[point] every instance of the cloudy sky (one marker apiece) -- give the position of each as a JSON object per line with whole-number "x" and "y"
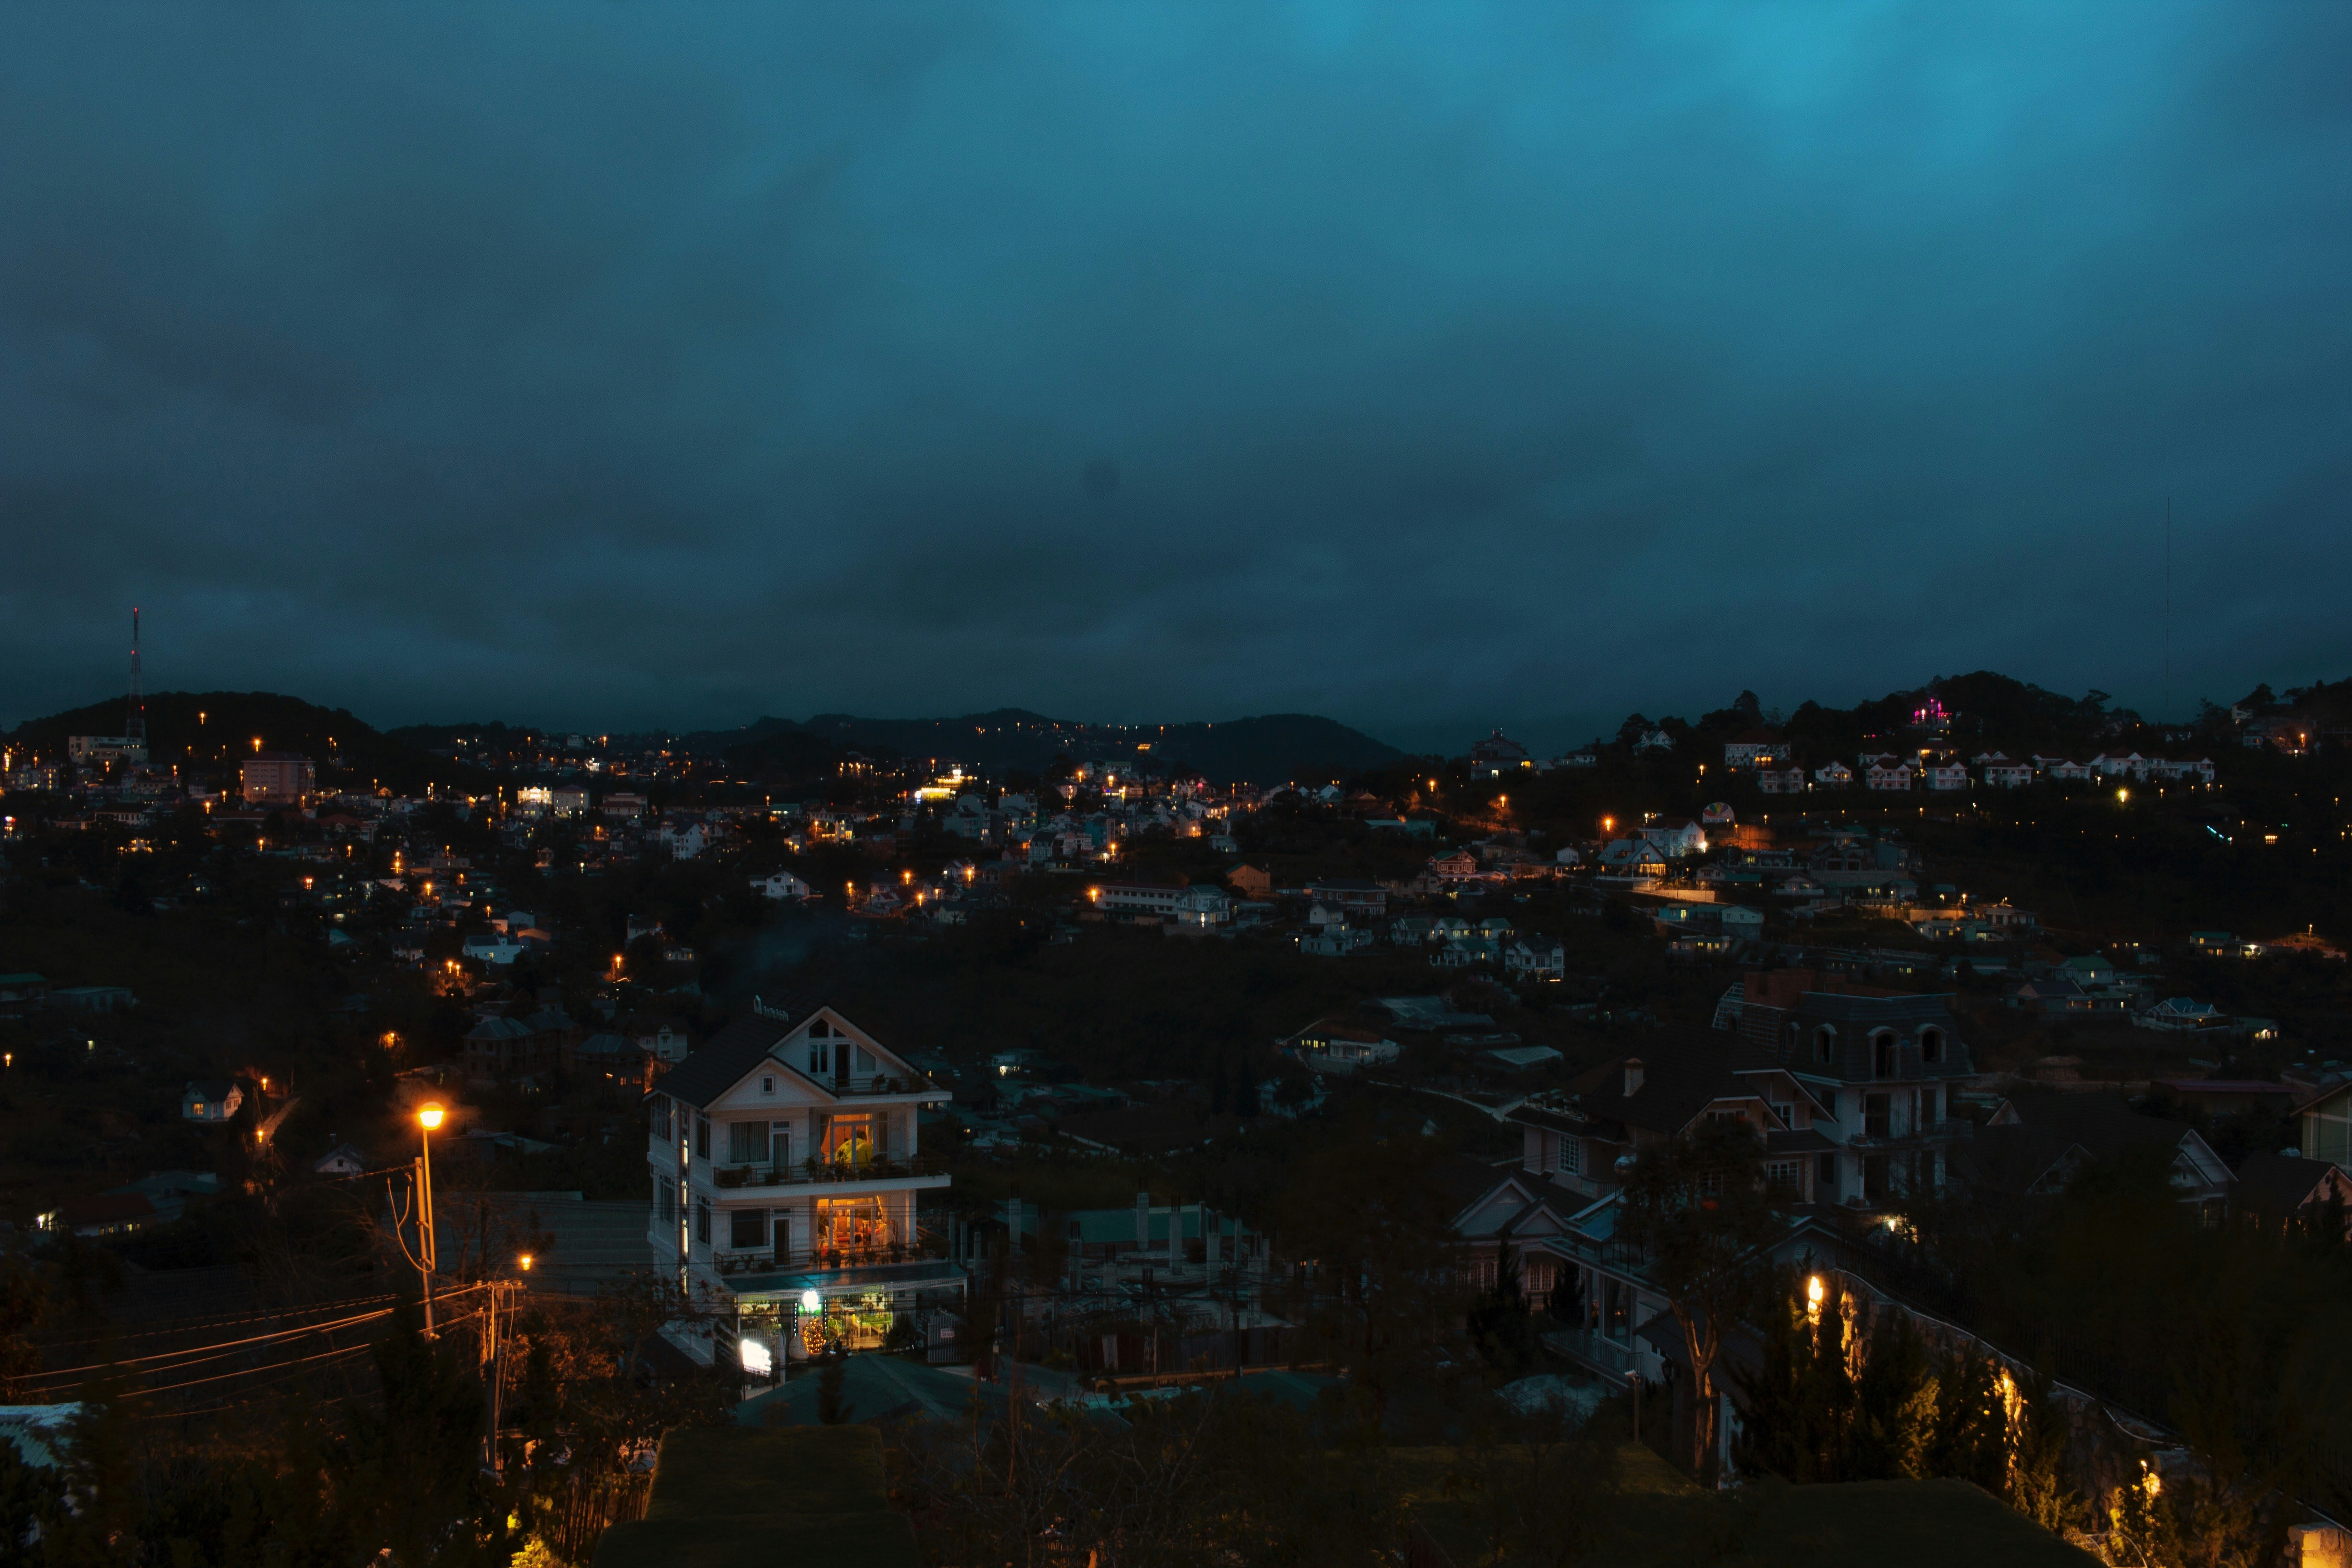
{"x": 1429, "y": 367}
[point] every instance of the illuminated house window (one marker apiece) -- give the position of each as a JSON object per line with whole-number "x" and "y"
{"x": 852, "y": 1225}
{"x": 851, "y": 1140}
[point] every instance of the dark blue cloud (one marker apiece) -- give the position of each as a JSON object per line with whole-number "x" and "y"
{"x": 1452, "y": 366}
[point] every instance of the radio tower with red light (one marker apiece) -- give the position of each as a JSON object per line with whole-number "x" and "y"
{"x": 135, "y": 726}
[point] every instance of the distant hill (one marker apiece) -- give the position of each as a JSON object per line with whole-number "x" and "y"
{"x": 1265, "y": 750}
{"x": 202, "y": 730}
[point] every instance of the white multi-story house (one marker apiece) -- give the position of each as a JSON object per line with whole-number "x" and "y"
{"x": 785, "y": 1166}
{"x": 1947, "y": 776}
{"x": 2002, "y": 773}
{"x": 1781, "y": 781}
{"x": 1833, "y": 775}
{"x": 1886, "y": 776}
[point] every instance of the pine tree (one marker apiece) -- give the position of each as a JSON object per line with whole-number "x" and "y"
{"x": 831, "y": 1408}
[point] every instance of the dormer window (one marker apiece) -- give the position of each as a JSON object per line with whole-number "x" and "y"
{"x": 1882, "y": 1054}
{"x": 1824, "y": 1046}
{"x": 1931, "y": 1045}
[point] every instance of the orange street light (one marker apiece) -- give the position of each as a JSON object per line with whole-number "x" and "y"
{"x": 428, "y": 1117}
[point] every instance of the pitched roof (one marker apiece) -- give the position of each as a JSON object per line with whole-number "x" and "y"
{"x": 2101, "y": 1121}
{"x": 727, "y": 1056}
{"x": 1682, "y": 1071}
{"x": 2283, "y": 1184}
{"x": 2012, "y": 1159}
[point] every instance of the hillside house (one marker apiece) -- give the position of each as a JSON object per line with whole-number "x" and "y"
{"x": 1883, "y": 1066}
{"x": 1751, "y": 749}
{"x": 2323, "y": 1117}
{"x": 1535, "y": 958}
{"x": 1781, "y": 781}
{"x": 786, "y": 1164}
{"x": 2038, "y": 1137}
{"x": 1946, "y": 777}
{"x": 1887, "y": 777}
{"x": 1328, "y": 1044}
{"x": 2276, "y": 1191}
{"x": 1675, "y": 837}
{"x": 210, "y": 1101}
{"x": 1833, "y": 775}
{"x": 1585, "y": 1140}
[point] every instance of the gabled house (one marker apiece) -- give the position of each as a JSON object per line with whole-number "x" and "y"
{"x": 1334, "y": 941}
{"x": 1674, "y": 837}
{"x": 1466, "y": 952}
{"x": 2181, "y": 1014}
{"x": 2325, "y": 1119}
{"x": 2072, "y": 1126}
{"x": 1833, "y": 775}
{"x": 2069, "y": 773}
{"x": 1946, "y": 777}
{"x": 1781, "y": 781}
{"x": 1999, "y": 772}
{"x": 502, "y": 1048}
{"x": 2277, "y": 1190}
{"x": 1514, "y": 1212}
{"x": 1353, "y": 894}
{"x": 1586, "y": 1140}
{"x": 1887, "y": 777}
{"x": 785, "y": 1162}
{"x": 345, "y": 1160}
{"x": 1750, "y": 749}
{"x": 1329, "y": 1044}
{"x": 780, "y": 885}
{"x": 2056, "y": 994}
{"x": 1535, "y": 958}
{"x": 210, "y": 1101}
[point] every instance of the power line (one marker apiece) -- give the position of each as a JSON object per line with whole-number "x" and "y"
{"x": 248, "y": 1372}
{"x": 197, "y": 1321}
{"x": 190, "y": 1355}
{"x": 206, "y": 1352}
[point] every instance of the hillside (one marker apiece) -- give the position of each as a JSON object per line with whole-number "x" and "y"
{"x": 210, "y": 730}
{"x": 1263, "y": 750}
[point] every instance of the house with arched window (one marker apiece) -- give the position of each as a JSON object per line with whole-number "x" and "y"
{"x": 1883, "y": 1064}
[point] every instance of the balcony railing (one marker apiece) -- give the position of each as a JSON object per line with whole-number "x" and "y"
{"x": 879, "y": 1083}
{"x": 1596, "y": 1350}
{"x": 1877, "y": 1135}
{"x": 821, "y": 1172}
{"x": 768, "y": 1260}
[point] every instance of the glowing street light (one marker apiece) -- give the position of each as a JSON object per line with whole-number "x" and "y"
{"x": 428, "y": 1117}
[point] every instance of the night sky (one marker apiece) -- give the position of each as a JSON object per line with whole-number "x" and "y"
{"x": 1429, "y": 368}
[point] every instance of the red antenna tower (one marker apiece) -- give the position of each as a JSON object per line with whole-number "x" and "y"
{"x": 135, "y": 725}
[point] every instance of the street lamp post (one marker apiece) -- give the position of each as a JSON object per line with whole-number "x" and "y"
{"x": 428, "y": 1117}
